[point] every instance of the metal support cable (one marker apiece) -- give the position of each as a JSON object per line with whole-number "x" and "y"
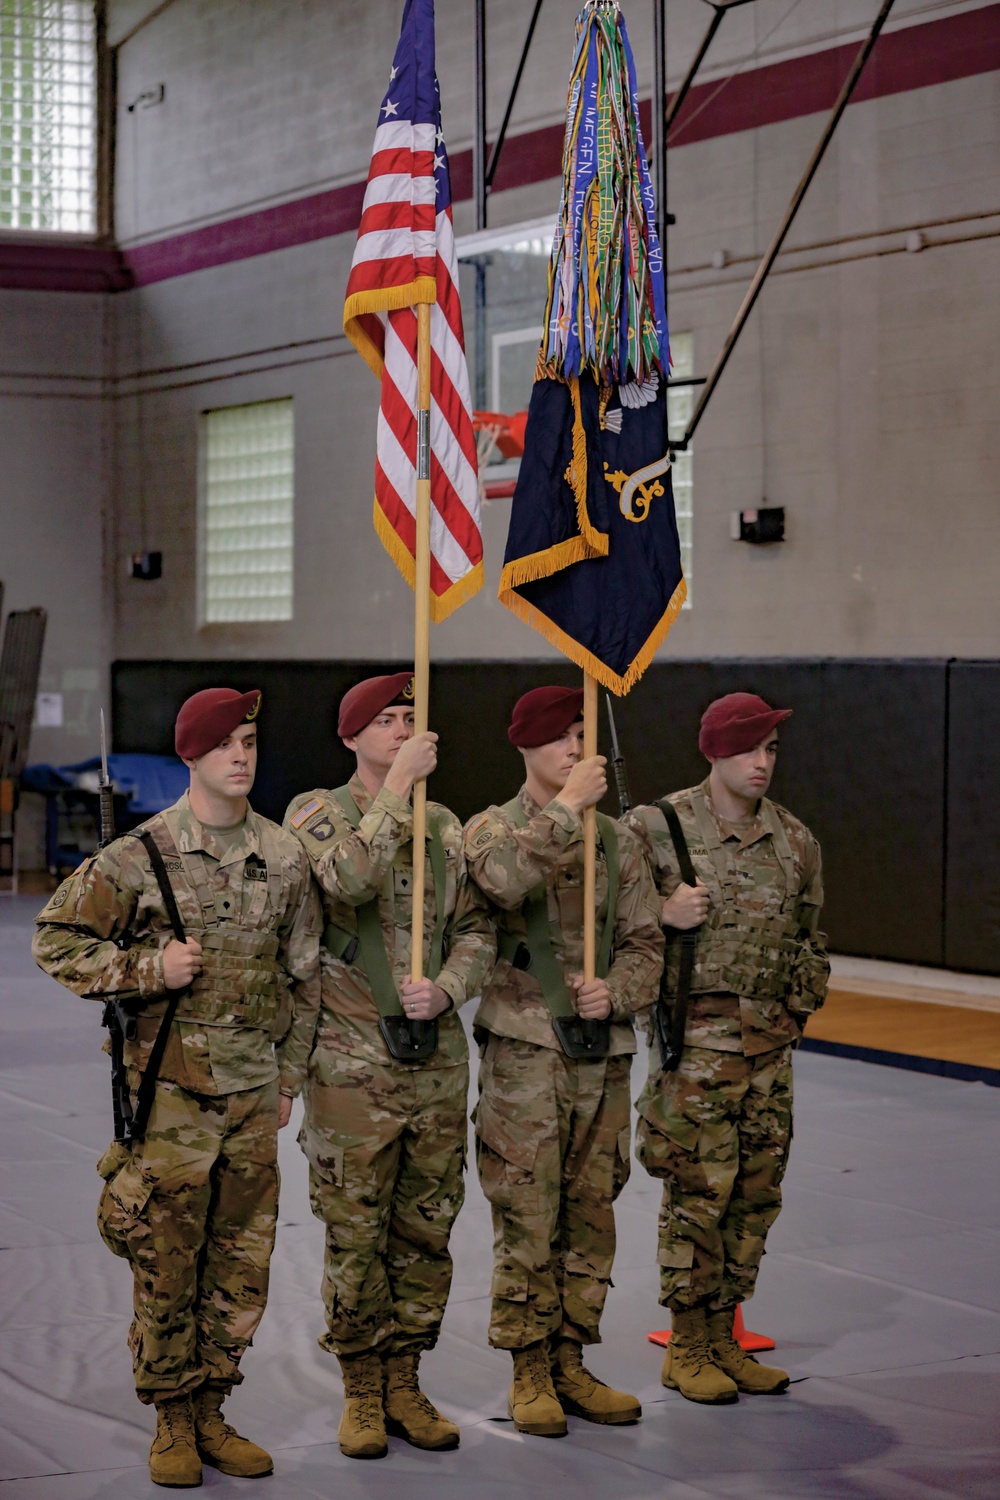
{"x": 771, "y": 255}
{"x": 502, "y": 136}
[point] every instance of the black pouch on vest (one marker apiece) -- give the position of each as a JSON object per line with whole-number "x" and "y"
{"x": 409, "y": 1041}
{"x": 582, "y": 1040}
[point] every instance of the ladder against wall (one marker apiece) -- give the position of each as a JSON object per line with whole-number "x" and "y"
{"x": 20, "y": 664}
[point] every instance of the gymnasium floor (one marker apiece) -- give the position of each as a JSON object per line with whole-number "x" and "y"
{"x": 881, "y": 1286}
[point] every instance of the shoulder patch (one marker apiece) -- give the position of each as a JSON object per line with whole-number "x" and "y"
{"x": 305, "y": 811}
{"x": 483, "y": 831}
{"x": 321, "y": 829}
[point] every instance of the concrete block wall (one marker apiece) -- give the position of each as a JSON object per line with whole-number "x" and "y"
{"x": 55, "y": 484}
{"x": 859, "y": 398}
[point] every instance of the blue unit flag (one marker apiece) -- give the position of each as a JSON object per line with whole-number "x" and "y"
{"x": 593, "y": 554}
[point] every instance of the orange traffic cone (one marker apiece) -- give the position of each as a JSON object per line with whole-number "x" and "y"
{"x": 751, "y": 1342}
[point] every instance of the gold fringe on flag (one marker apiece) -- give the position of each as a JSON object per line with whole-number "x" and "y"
{"x": 387, "y": 299}
{"x": 441, "y": 605}
{"x": 615, "y": 683}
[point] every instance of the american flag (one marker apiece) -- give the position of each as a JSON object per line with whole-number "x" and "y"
{"x": 405, "y": 254}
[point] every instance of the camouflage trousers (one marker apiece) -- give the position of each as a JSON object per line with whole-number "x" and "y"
{"x": 194, "y": 1207}
{"x": 552, "y": 1148}
{"x": 717, "y": 1131}
{"x": 386, "y": 1146}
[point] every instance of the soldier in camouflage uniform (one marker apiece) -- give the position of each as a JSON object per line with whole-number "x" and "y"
{"x": 193, "y": 1204}
{"x": 385, "y": 1138}
{"x": 718, "y": 1129}
{"x": 552, "y": 1131}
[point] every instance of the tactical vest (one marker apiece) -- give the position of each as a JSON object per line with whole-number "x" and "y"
{"x": 739, "y": 951}
{"x": 407, "y": 1040}
{"x": 241, "y": 982}
{"x": 367, "y": 945}
{"x": 578, "y": 1038}
{"x": 536, "y": 914}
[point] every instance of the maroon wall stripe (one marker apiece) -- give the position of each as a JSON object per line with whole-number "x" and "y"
{"x": 916, "y": 57}
{"x": 314, "y": 218}
{"x": 29, "y": 266}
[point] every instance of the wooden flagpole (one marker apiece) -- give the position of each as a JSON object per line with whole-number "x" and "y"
{"x": 589, "y": 834}
{"x": 422, "y": 624}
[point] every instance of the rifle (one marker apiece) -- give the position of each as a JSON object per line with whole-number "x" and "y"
{"x": 130, "y": 1122}
{"x": 618, "y": 763}
{"x": 670, "y": 1011}
{"x": 121, "y": 1023}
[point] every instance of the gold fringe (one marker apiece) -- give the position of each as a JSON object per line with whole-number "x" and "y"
{"x": 543, "y": 564}
{"x": 619, "y": 684}
{"x": 442, "y": 605}
{"x": 390, "y": 299}
{"x": 575, "y": 475}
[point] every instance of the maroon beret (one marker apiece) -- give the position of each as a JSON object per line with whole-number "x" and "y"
{"x": 736, "y": 723}
{"x": 366, "y": 699}
{"x": 544, "y": 715}
{"x": 207, "y": 717}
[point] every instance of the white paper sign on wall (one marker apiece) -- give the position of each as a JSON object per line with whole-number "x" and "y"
{"x": 49, "y": 710}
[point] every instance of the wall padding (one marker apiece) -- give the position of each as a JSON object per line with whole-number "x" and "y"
{"x": 863, "y": 762}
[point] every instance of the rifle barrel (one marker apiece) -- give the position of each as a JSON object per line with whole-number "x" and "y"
{"x": 618, "y": 764}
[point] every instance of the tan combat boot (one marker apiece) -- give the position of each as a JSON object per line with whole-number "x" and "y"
{"x": 408, "y": 1413}
{"x": 690, "y": 1366}
{"x": 756, "y": 1379}
{"x": 221, "y": 1445}
{"x": 361, "y": 1433}
{"x": 532, "y": 1404}
{"x": 173, "y": 1458}
{"x": 583, "y": 1395}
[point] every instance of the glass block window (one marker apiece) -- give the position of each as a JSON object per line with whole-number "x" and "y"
{"x": 48, "y": 115}
{"x": 247, "y": 513}
{"x": 680, "y": 405}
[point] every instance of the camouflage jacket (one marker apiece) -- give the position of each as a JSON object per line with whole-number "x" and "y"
{"x": 508, "y": 863}
{"x": 351, "y": 867}
{"x": 103, "y": 933}
{"x": 760, "y": 961}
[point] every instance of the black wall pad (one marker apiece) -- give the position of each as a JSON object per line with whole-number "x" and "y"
{"x": 862, "y": 762}
{"x": 972, "y": 872}
{"x": 863, "y": 758}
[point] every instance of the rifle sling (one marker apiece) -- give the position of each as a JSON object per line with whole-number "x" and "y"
{"x": 147, "y": 1084}
{"x": 678, "y": 1003}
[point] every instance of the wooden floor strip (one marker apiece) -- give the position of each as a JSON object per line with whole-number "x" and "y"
{"x": 918, "y": 1029}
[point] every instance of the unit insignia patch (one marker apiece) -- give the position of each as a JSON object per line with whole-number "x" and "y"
{"x": 306, "y": 811}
